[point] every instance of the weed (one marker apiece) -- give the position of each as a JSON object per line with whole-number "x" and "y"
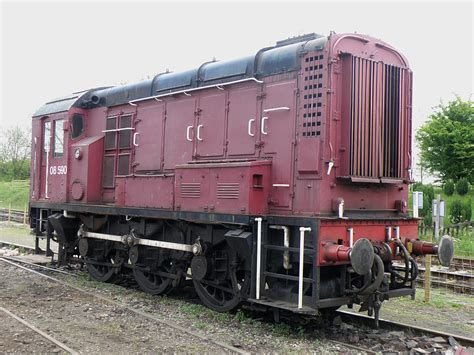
{"x": 282, "y": 329}
{"x": 200, "y": 325}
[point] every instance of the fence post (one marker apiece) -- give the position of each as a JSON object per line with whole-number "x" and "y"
{"x": 24, "y": 215}
{"x": 428, "y": 273}
{"x": 9, "y": 211}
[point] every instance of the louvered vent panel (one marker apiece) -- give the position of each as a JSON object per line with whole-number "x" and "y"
{"x": 228, "y": 190}
{"x": 312, "y": 99}
{"x": 190, "y": 189}
{"x": 378, "y": 119}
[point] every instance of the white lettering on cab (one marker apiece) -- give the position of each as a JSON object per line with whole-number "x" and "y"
{"x": 58, "y": 170}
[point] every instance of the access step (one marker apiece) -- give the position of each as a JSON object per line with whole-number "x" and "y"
{"x": 292, "y": 307}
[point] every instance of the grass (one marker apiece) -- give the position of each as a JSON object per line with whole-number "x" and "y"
{"x": 16, "y": 193}
{"x": 464, "y": 243}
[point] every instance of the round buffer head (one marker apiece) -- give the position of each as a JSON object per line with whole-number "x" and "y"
{"x": 362, "y": 256}
{"x": 445, "y": 250}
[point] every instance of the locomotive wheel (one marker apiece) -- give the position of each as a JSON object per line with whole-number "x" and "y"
{"x": 153, "y": 283}
{"x": 216, "y": 291}
{"x": 101, "y": 273}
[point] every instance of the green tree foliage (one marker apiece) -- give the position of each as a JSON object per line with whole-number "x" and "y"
{"x": 446, "y": 141}
{"x": 462, "y": 187}
{"x": 428, "y": 197}
{"x": 460, "y": 211}
{"x": 448, "y": 188}
{"x": 14, "y": 154}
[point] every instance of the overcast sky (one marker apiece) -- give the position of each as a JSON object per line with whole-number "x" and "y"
{"x": 52, "y": 49}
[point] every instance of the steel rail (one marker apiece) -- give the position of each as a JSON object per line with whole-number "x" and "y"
{"x": 14, "y": 259}
{"x": 388, "y": 324}
{"x": 140, "y": 313}
{"x": 39, "y": 331}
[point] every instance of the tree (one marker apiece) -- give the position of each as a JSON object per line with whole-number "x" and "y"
{"x": 446, "y": 141}
{"x": 14, "y": 153}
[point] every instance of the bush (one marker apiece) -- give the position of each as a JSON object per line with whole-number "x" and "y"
{"x": 448, "y": 188}
{"x": 455, "y": 212}
{"x": 462, "y": 186}
{"x": 460, "y": 211}
{"x": 467, "y": 210}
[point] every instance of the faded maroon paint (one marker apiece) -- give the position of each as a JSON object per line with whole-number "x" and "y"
{"x": 86, "y": 186}
{"x": 238, "y": 188}
{"x": 215, "y": 126}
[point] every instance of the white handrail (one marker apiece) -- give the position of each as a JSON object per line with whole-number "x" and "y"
{"x": 198, "y": 88}
{"x": 259, "y": 256}
{"x": 118, "y": 129}
{"x": 250, "y": 127}
{"x": 188, "y": 137}
{"x": 135, "y": 139}
{"x": 198, "y": 133}
{"x": 300, "y": 275}
{"x": 262, "y": 126}
{"x": 284, "y": 108}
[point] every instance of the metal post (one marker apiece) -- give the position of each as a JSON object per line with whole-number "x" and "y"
{"x": 24, "y": 215}
{"x": 259, "y": 255}
{"x": 9, "y": 212}
{"x": 300, "y": 276}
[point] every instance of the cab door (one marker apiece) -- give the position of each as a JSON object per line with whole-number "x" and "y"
{"x": 54, "y": 161}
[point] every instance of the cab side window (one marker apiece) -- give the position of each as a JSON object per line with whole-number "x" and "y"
{"x": 58, "y": 138}
{"x": 77, "y": 125}
{"x": 46, "y": 137}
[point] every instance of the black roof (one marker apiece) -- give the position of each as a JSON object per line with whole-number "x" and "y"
{"x": 281, "y": 58}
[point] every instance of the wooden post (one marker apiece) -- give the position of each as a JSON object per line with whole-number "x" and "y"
{"x": 428, "y": 273}
{"x": 9, "y": 211}
{"x": 24, "y": 215}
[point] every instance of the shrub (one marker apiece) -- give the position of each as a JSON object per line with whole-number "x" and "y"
{"x": 460, "y": 211}
{"x": 467, "y": 210}
{"x": 448, "y": 188}
{"x": 462, "y": 186}
{"x": 455, "y": 212}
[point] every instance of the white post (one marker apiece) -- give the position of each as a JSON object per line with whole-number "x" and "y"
{"x": 437, "y": 217}
{"x": 415, "y": 204}
{"x": 300, "y": 276}
{"x": 259, "y": 255}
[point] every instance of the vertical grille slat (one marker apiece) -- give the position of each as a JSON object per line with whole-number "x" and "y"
{"x": 379, "y": 119}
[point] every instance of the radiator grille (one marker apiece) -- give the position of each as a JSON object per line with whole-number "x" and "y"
{"x": 228, "y": 190}
{"x": 190, "y": 189}
{"x": 379, "y": 121}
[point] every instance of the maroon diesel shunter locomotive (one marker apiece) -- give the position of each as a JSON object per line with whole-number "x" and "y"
{"x": 279, "y": 179}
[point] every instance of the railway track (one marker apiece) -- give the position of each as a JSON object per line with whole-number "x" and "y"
{"x": 348, "y": 317}
{"x": 354, "y": 318}
{"x": 28, "y": 266}
{"x": 39, "y": 331}
{"x": 180, "y": 329}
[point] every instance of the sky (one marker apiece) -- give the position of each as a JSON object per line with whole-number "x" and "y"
{"x": 51, "y": 49}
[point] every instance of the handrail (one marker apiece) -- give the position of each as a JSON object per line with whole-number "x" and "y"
{"x": 196, "y": 89}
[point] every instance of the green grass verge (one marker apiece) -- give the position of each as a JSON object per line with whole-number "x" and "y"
{"x": 14, "y": 193}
